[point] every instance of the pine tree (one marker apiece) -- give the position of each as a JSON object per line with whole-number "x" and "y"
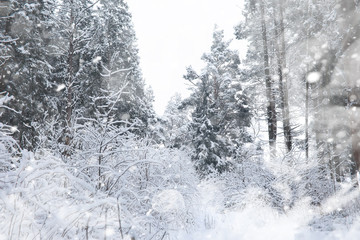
{"x": 280, "y": 49}
{"x": 27, "y": 70}
{"x": 255, "y": 29}
{"x": 120, "y": 62}
{"x": 57, "y": 56}
{"x": 209, "y": 149}
{"x": 221, "y": 111}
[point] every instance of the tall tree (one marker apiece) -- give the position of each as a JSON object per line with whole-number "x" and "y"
{"x": 209, "y": 150}
{"x": 119, "y": 62}
{"x": 221, "y": 106}
{"x": 271, "y": 111}
{"x": 56, "y": 56}
{"x": 255, "y": 30}
{"x": 73, "y": 61}
{"x": 26, "y": 69}
{"x": 279, "y": 43}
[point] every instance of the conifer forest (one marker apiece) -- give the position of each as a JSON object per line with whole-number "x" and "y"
{"x": 265, "y": 146}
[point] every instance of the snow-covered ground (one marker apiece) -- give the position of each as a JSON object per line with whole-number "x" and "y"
{"x": 259, "y": 222}
{"x": 44, "y": 204}
{"x": 263, "y": 223}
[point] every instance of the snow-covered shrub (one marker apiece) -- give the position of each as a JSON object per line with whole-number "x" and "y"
{"x": 113, "y": 185}
{"x": 249, "y": 183}
{"x": 145, "y": 192}
{"x": 141, "y": 178}
{"x": 109, "y": 155}
{"x": 9, "y": 149}
{"x": 43, "y": 199}
{"x": 279, "y": 183}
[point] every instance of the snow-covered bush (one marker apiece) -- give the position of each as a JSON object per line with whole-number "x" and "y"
{"x": 134, "y": 171}
{"x": 144, "y": 192}
{"x": 9, "y": 149}
{"x": 43, "y": 199}
{"x": 113, "y": 185}
{"x": 279, "y": 183}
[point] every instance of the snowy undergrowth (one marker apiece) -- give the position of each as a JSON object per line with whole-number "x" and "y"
{"x": 258, "y": 220}
{"x": 42, "y": 197}
{"x": 263, "y": 223}
{"x": 151, "y": 192}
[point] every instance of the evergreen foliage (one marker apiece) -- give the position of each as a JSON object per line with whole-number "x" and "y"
{"x": 26, "y": 75}
{"x": 221, "y": 108}
{"x": 59, "y": 55}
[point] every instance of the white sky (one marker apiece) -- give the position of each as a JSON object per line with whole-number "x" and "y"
{"x": 173, "y": 34}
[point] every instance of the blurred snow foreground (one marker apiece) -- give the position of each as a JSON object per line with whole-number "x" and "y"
{"x": 168, "y": 201}
{"x": 44, "y": 198}
{"x": 259, "y": 221}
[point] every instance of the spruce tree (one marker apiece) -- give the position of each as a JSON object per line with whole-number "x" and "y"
{"x": 26, "y": 71}
{"x": 120, "y": 62}
{"x": 221, "y": 108}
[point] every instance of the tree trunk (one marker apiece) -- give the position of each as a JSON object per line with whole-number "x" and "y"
{"x": 281, "y": 65}
{"x": 354, "y": 126}
{"x": 70, "y": 74}
{"x": 287, "y": 125}
{"x": 307, "y": 120}
{"x": 271, "y": 112}
{"x": 307, "y": 86}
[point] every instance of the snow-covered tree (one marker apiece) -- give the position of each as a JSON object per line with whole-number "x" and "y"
{"x": 57, "y": 55}
{"x": 26, "y": 69}
{"x": 176, "y": 123}
{"x": 119, "y": 62}
{"x": 256, "y": 30}
{"x": 221, "y": 107}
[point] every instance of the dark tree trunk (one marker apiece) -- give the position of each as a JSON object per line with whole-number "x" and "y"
{"x": 281, "y": 65}
{"x": 271, "y": 112}
{"x": 70, "y": 73}
{"x": 307, "y": 119}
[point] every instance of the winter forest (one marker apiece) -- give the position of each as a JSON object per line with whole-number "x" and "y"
{"x": 265, "y": 147}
